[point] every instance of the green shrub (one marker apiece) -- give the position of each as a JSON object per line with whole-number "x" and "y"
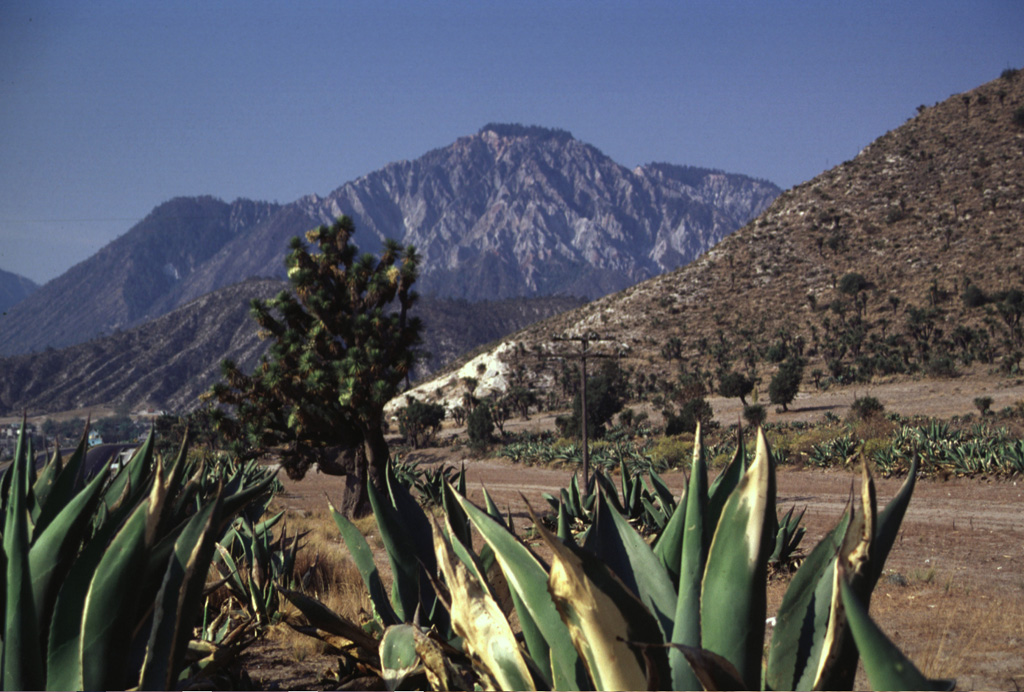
{"x": 785, "y": 384}
{"x": 480, "y": 426}
{"x": 1018, "y": 117}
{"x": 754, "y": 414}
{"x": 419, "y": 421}
{"x": 866, "y": 407}
{"x": 672, "y": 450}
{"x": 852, "y": 283}
{"x": 690, "y": 414}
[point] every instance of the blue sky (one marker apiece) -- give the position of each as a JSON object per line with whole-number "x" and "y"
{"x": 108, "y": 109}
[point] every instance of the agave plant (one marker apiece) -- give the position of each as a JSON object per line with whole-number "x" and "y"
{"x": 649, "y": 506}
{"x": 618, "y": 613}
{"x": 103, "y": 580}
{"x": 610, "y": 614}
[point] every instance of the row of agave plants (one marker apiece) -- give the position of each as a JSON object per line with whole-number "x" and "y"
{"x": 603, "y": 455}
{"x": 978, "y": 450}
{"x": 940, "y": 447}
{"x": 103, "y": 577}
{"x": 610, "y": 608}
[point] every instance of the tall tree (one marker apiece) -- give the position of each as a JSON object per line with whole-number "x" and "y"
{"x": 341, "y": 349}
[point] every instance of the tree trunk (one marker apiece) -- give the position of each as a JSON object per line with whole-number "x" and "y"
{"x": 350, "y": 462}
{"x": 377, "y": 453}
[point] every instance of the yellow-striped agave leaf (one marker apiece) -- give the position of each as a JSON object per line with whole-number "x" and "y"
{"x": 478, "y": 619}
{"x": 609, "y": 625}
{"x": 733, "y": 596}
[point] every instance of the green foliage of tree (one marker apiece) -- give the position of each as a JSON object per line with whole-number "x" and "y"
{"x": 342, "y": 343}
{"x": 605, "y": 398}
{"x": 735, "y": 384}
{"x": 853, "y": 283}
{"x": 419, "y": 421}
{"x": 522, "y": 398}
{"x": 690, "y": 413}
{"x": 480, "y": 426}
{"x": 785, "y": 383}
{"x": 973, "y": 297}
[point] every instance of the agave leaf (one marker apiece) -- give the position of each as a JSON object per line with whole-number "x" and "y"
{"x": 669, "y": 544}
{"x": 179, "y": 600}
{"x": 723, "y": 486}
{"x": 886, "y": 667}
{"x": 609, "y": 625}
{"x": 479, "y": 621}
{"x": 456, "y": 517}
{"x": 57, "y": 545}
{"x": 551, "y": 500}
{"x": 802, "y": 619}
{"x": 853, "y": 565}
{"x": 624, "y": 552}
{"x": 109, "y": 608}
{"x": 241, "y": 490}
{"x": 635, "y": 496}
{"x": 575, "y": 500}
{"x": 44, "y": 483}
{"x": 322, "y": 617}
{"x": 601, "y": 480}
{"x": 398, "y": 657}
{"x": 418, "y": 542}
{"x": 713, "y": 672}
{"x": 692, "y": 559}
{"x": 126, "y": 487}
{"x": 267, "y": 524}
{"x": 664, "y": 493}
{"x": 564, "y": 531}
{"x": 527, "y": 579}
{"x": 888, "y": 528}
{"x": 492, "y": 508}
{"x": 63, "y": 657}
{"x": 435, "y": 657}
{"x": 733, "y": 596}
{"x": 22, "y": 657}
{"x": 405, "y": 589}
{"x": 653, "y": 514}
{"x": 361, "y": 554}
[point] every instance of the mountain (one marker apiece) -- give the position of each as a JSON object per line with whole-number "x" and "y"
{"x": 124, "y": 283}
{"x": 517, "y": 211}
{"x": 168, "y": 362}
{"x": 900, "y": 261}
{"x": 510, "y": 211}
{"x": 14, "y": 289}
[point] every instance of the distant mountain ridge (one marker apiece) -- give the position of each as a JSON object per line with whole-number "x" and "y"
{"x": 14, "y": 289}
{"x": 127, "y": 281}
{"x": 168, "y": 362}
{"x": 510, "y": 211}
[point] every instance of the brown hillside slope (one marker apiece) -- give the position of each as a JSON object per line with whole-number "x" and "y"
{"x": 921, "y": 212}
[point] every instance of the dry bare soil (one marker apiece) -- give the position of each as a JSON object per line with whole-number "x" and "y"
{"x": 953, "y": 594}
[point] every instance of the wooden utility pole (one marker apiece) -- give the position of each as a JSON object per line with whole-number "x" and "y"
{"x": 584, "y": 342}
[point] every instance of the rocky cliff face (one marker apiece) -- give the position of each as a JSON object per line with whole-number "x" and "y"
{"x": 516, "y": 211}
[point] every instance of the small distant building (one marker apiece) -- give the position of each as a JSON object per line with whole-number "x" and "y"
{"x": 94, "y": 438}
